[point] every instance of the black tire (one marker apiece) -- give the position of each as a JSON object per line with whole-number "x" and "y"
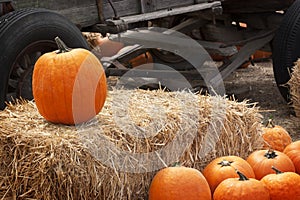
{"x": 286, "y": 48}
{"x": 24, "y": 36}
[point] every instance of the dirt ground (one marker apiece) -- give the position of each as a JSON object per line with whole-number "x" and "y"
{"x": 256, "y": 83}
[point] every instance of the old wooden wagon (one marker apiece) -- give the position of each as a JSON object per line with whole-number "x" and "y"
{"x": 231, "y": 30}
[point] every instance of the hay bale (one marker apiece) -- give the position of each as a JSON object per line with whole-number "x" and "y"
{"x": 116, "y": 155}
{"x": 294, "y": 85}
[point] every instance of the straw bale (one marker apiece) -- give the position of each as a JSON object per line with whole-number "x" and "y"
{"x": 294, "y": 85}
{"x": 115, "y": 155}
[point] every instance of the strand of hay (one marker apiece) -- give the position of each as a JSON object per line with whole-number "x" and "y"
{"x": 91, "y": 38}
{"x": 116, "y": 155}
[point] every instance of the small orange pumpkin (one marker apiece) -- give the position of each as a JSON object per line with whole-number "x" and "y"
{"x": 283, "y": 185}
{"x": 69, "y": 85}
{"x": 138, "y": 61}
{"x": 141, "y": 60}
{"x": 262, "y": 161}
{"x": 241, "y": 188}
{"x": 108, "y": 47}
{"x": 225, "y": 167}
{"x": 178, "y": 183}
{"x": 293, "y": 152}
{"x": 275, "y": 137}
{"x": 259, "y": 54}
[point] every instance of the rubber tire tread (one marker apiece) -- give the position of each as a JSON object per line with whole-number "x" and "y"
{"x": 286, "y": 48}
{"x": 23, "y": 27}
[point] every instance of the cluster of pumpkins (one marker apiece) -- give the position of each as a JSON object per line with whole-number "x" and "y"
{"x": 74, "y": 82}
{"x": 269, "y": 173}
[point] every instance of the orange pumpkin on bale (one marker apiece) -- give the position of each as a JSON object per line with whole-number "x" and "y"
{"x": 242, "y": 188}
{"x": 282, "y": 185}
{"x": 262, "y": 161}
{"x": 293, "y": 152}
{"x": 275, "y": 137}
{"x": 225, "y": 167}
{"x": 178, "y": 183}
{"x": 69, "y": 85}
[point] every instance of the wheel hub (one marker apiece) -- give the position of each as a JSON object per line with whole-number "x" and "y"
{"x": 20, "y": 80}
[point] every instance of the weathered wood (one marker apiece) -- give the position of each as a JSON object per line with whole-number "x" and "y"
{"x": 5, "y": 7}
{"x": 100, "y": 10}
{"x": 134, "y": 7}
{"x": 86, "y": 13}
{"x": 169, "y": 12}
{"x": 123, "y": 8}
{"x": 82, "y": 13}
{"x": 254, "y": 6}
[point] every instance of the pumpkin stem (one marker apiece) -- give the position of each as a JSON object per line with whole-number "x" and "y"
{"x": 176, "y": 164}
{"x": 62, "y": 47}
{"x": 224, "y": 163}
{"x": 271, "y": 154}
{"x": 242, "y": 177}
{"x": 277, "y": 170}
{"x": 270, "y": 123}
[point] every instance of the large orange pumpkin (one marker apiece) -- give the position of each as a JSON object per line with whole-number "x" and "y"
{"x": 178, "y": 183}
{"x": 275, "y": 137}
{"x": 69, "y": 85}
{"x": 283, "y": 185}
{"x": 293, "y": 152}
{"x": 262, "y": 161}
{"x": 225, "y": 167}
{"x": 242, "y": 188}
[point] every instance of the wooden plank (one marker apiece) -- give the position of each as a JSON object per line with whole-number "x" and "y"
{"x": 85, "y": 13}
{"x": 123, "y": 8}
{"x": 53, "y": 4}
{"x": 165, "y": 13}
{"x": 82, "y": 13}
{"x": 82, "y": 16}
{"x": 166, "y": 4}
{"x": 255, "y": 6}
{"x": 134, "y": 7}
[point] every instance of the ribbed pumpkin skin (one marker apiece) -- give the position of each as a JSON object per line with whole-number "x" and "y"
{"x": 262, "y": 165}
{"x": 224, "y": 167}
{"x": 293, "y": 152}
{"x": 178, "y": 183}
{"x": 276, "y": 138}
{"x": 283, "y": 186}
{"x": 69, "y": 87}
{"x": 235, "y": 189}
